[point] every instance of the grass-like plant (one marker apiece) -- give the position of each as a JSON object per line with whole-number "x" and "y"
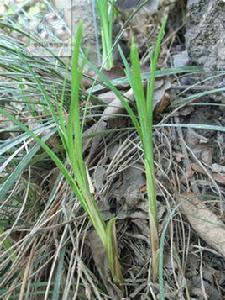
{"x": 144, "y": 125}
{"x": 69, "y": 129}
{"x": 106, "y": 12}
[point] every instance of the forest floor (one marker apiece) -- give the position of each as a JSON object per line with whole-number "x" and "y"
{"x": 48, "y": 248}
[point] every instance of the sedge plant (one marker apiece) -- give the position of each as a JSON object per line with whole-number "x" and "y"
{"x": 144, "y": 125}
{"x": 76, "y": 174}
{"x": 106, "y": 12}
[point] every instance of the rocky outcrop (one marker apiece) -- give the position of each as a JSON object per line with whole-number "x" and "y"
{"x": 205, "y": 37}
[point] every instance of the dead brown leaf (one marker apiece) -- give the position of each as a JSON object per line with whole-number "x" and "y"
{"x": 161, "y": 97}
{"x": 197, "y": 168}
{"x": 207, "y": 224}
{"x": 143, "y": 189}
{"x": 116, "y": 72}
{"x": 219, "y": 177}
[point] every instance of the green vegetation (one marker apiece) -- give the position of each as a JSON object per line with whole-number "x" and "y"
{"x": 50, "y": 112}
{"x": 144, "y": 126}
{"x": 143, "y": 123}
{"x": 71, "y": 137}
{"x": 106, "y": 12}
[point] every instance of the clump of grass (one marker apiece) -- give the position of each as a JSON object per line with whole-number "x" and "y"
{"x": 69, "y": 129}
{"x": 144, "y": 126}
{"x": 143, "y": 123}
{"x": 106, "y": 12}
{"x": 73, "y": 144}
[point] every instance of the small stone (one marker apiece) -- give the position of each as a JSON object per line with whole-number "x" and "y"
{"x": 181, "y": 59}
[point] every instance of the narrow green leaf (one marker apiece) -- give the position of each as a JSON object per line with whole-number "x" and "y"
{"x": 10, "y": 181}
{"x": 58, "y": 275}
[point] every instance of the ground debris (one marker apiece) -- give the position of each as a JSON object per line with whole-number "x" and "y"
{"x": 207, "y": 224}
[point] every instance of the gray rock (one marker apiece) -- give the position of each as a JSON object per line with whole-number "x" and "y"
{"x": 180, "y": 59}
{"x": 205, "y": 37}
